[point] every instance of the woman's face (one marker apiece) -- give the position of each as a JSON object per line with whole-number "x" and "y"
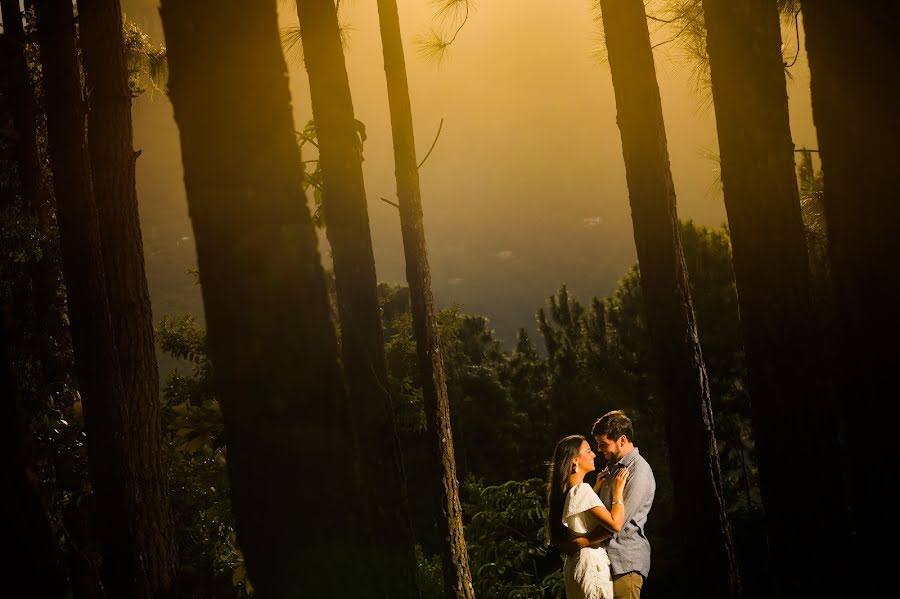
{"x": 585, "y": 460}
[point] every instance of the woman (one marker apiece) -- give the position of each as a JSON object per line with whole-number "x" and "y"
{"x": 576, "y": 510}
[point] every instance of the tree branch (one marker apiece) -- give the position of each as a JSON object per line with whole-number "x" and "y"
{"x": 437, "y": 135}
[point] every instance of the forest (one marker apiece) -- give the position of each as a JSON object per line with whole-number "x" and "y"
{"x": 208, "y": 390}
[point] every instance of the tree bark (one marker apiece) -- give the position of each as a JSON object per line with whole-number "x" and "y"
{"x": 22, "y": 108}
{"x": 271, "y": 340}
{"x": 43, "y": 272}
{"x": 362, "y": 338}
{"x": 854, "y": 59}
{"x": 789, "y": 387}
{"x": 684, "y": 385}
{"x": 111, "y": 466}
{"x": 457, "y": 576}
{"x": 112, "y": 169}
{"x": 36, "y": 562}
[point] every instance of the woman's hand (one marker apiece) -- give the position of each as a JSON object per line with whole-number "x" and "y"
{"x": 618, "y": 483}
{"x": 601, "y": 476}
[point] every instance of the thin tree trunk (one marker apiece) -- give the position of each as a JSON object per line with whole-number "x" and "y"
{"x": 362, "y": 338}
{"x": 112, "y": 471}
{"x": 457, "y": 577}
{"x": 684, "y": 385}
{"x": 271, "y": 340}
{"x": 854, "y": 61}
{"x": 789, "y": 388}
{"x": 112, "y": 168}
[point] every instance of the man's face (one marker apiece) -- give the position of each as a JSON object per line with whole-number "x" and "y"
{"x": 611, "y": 450}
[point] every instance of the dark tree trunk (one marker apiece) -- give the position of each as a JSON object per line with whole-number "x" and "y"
{"x": 854, "y": 61}
{"x": 457, "y": 577}
{"x": 43, "y": 272}
{"x": 36, "y": 562}
{"x": 684, "y": 385}
{"x": 271, "y": 340}
{"x": 790, "y": 393}
{"x": 22, "y": 109}
{"x": 113, "y": 472}
{"x": 362, "y": 339}
{"x": 112, "y": 168}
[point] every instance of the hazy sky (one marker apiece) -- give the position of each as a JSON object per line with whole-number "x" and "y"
{"x": 525, "y": 189}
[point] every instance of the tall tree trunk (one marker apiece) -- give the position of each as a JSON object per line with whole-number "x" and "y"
{"x": 790, "y": 394}
{"x": 113, "y": 472}
{"x": 22, "y": 107}
{"x": 684, "y": 385}
{"x": 854, "y": 61}
{"x": 36, "y": 563}
{"x": 362, "y": 338}
{"x": 43, "y": 271}
{"x": 112, "y": 168}
{"x": 457, "y": 577}
{"x": 25, "y": 310}
{"x": 271, "y": 339}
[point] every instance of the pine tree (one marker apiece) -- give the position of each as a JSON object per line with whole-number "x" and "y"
{"x": 457, "y": 577}
{"x": 683, "y": 381}
{"x": 272, "y": 345}
{"x": 112, "y": 175}
{"x": 340, "y": 138}
{"x": 789, "y": 386}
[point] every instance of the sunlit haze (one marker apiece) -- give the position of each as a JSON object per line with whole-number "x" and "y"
{"x": 525, "y": 189}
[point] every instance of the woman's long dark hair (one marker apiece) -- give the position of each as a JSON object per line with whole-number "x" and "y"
{"x": 558, "y": 484}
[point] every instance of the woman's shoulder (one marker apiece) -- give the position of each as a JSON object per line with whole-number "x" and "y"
{"x": 581, "y": 489}
{"x": 580, "y": 498}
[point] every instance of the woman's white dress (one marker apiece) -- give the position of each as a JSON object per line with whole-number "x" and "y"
{"x": 587, "y": 572}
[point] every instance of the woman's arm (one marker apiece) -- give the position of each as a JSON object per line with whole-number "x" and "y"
{"x": 600, "y": 477}
{"x": 596, "y": 536}
{"x": 610, "y": 520}
{"x": 614, "y": 518}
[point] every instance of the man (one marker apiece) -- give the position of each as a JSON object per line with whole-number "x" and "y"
{"x": 629, "y": 550}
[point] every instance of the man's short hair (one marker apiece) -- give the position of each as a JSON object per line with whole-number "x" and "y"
{"x": 613, "y": 425}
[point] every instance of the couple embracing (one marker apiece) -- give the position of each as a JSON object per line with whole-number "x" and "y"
{"x": 600, "y": 529}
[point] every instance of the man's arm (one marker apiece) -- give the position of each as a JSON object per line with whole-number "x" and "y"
{"x": 638, "y": 489}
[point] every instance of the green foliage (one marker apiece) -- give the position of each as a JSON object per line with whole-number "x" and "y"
{"x": 506, "y": 537}
{"x": 430, "y": 576}
{"x": 312, "y": 172}
{"x": 402, "y": 360}
{"x": 196, "y": 463}
{"x": 450, "y": 16}
{"x": 486, "y": 420}
{"x": 403, "y": 375}
{"x": 812, "y": 191}
{"x": 148, "y": 68}
{"x": 312, "y": 167}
